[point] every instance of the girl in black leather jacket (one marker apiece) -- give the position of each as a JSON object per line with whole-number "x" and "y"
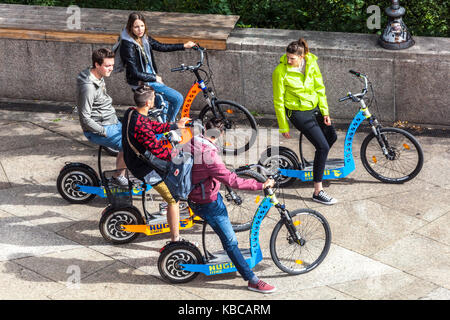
{"x": 136, "y": 52}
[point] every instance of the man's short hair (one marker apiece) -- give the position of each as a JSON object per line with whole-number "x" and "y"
{"x": 101, "y": 54}
{"x": 214, "y": 128}
{"x": 142, "y": 94}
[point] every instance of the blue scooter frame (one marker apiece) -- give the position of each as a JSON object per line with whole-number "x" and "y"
{"x": 348, "y": 163}
{"x": 254, "y": 254}
{"x": 79, "y": 183}
{"x": 182, "y": 261}
{"x": 391, "y": 155}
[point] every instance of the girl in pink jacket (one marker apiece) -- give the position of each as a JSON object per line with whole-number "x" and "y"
{"x": 208, "y": 173}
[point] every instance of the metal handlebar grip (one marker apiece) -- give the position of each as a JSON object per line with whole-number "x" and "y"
{"x": 344, "y": 98}
{"x": 197, "y": 47}
{"x": 176, "y": 69}
{"x": 355, "y": 73}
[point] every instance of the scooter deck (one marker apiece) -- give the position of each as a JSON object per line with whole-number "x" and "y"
{"x": 330, "y": 164}
{"x": 334, "y": 169}
{"x": 159, "y": 224}
{"x": 222, "y": 263}
{"x": 162, "y": 218}
{"x": 101, "y": 192}
{"x": 222, "y": 256}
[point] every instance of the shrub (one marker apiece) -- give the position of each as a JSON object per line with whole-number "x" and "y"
{"x": 423, "y": 17}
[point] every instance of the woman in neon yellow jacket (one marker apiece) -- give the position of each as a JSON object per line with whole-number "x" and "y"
{"x": 299, "y": 95}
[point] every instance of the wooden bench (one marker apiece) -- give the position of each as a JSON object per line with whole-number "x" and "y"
{"x": 103, "y": 26}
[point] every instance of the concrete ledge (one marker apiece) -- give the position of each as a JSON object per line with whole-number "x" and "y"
{"x": 410, "y": 85}
{"x": 103, "y": 25}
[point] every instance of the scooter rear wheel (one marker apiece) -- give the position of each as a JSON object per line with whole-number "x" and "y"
{"x": 70, "y": 177}
{"x": 172, "y": 256}
{"x": 111, "y": 222}
{"x": 281, "y": 159}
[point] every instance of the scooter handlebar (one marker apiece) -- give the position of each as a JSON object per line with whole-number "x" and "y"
{"x": 198, "y": 47}
{"x": 182, "y": 68}
{"x": 344, "y": 98}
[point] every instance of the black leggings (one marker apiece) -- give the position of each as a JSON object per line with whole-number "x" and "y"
{"x": 311, "y": 124}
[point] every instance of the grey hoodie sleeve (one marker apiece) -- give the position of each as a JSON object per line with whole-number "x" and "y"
{"x": 85, "y": 102}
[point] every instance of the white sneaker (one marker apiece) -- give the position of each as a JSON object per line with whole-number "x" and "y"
{"x": 121, "y": 181}
{"x": 324, "y": 198}
{"x": 163, "y": 208}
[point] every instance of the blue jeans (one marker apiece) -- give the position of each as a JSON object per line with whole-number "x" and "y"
{"x": 173, "y": 97}
{"x": 216, "y": 215}
{"x": 113, "y": 137}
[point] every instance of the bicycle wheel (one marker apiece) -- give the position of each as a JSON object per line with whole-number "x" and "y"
{"x": 242, "y": 204}
{"x": 240, "y": 125}
{"x": 172, "y": 256}
{"x": 404, "y": 158}
{"x": 111, "y": 222}
{"x": 69, "y": 179}
{"x": 292, "y": 257}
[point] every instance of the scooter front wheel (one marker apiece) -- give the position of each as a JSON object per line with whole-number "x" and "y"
{"x": 304, "y": 250}
{"x": 171, "y": 258}
{"x": 395, "y": 157}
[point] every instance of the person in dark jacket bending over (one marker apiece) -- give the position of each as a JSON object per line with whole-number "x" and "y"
{"x": 136, "y": 52}
{"x": 208, "y": 173}
{"x": 138, "y": 129}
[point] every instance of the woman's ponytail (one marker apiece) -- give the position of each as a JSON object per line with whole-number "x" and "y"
{"x": 299, "y": 47}
{"x": 302, "y": 43}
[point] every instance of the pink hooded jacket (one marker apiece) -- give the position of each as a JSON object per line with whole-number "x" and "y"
{"x": 210, "y": 170}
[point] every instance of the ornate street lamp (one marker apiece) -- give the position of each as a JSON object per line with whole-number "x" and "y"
{"x": 395, "y": 36}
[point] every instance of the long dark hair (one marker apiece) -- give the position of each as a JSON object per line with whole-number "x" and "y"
{"x": 131, "y": 19}
{"x": 299, "y": 47}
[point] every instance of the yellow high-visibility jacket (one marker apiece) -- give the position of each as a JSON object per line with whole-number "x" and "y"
{"x": 296, "y": 91}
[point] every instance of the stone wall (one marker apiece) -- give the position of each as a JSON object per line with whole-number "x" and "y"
{"x": 410, "y": 85}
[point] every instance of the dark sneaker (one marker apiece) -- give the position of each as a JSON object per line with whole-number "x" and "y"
{"x": 324, "y": 198}
{"x": 261, "y": 287}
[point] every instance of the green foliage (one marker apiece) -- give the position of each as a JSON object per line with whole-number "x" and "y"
{"x": 423, "y": 17}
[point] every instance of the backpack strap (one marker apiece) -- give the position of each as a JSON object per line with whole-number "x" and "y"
{"x": 136, "y": 151}
{"x": 202, "y": 186}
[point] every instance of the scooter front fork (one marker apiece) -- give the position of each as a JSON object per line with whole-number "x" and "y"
{"x": 294, "y": 235}
{"x": 376, "y": 126}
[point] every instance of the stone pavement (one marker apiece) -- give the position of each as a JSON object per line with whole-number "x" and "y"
{"x": 388, "y": 241}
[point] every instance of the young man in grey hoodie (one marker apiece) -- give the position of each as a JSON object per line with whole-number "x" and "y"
{"x": 98, "y": 117}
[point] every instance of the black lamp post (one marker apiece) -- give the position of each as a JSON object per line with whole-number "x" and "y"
{"x": 395, "y": 36}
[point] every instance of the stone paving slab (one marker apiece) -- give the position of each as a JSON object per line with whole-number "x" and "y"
{"x": 19, "y": 238}
{"x": 42, "y": 205}
{"x": 388, "y": 241}
{"x": 121, "y": 281}
{"x": 19, "y": 283}
{"x": 419, "y": 256}
{"x": 367, "y": 227}
{"x": 392, "y": 286}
